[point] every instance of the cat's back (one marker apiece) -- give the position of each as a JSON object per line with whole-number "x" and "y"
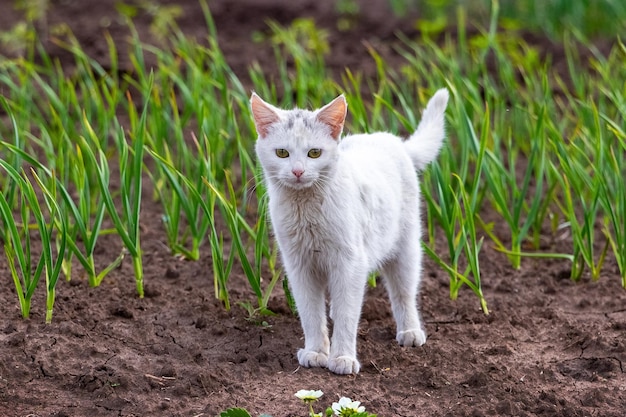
{"x": 370, "y": 141}
{"x": 374, "y": 152}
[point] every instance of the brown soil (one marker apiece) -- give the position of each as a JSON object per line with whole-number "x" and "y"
{"x": 549, "y": 347}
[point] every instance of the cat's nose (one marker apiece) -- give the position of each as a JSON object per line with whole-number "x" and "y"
{"x": 297, "y": 169}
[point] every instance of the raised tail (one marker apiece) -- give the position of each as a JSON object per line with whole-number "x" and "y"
{"x": 424, "y": 145}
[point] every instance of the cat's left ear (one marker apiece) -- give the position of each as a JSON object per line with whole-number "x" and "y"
{"x": 264, "y": 115}
{"x": 334, "y": 115}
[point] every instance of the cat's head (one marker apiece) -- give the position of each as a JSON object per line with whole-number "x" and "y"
{"x": 298, "y": 148}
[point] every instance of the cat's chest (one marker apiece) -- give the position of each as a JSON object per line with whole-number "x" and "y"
{"x": 311, "y": 227}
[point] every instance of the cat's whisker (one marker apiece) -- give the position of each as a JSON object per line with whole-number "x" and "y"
{"x": 251, "y": 186}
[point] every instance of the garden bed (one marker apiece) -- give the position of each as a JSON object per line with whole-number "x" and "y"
{"x": 549, "y": 347}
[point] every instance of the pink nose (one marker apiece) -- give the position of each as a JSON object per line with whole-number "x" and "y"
{"x": 297, "y": 172}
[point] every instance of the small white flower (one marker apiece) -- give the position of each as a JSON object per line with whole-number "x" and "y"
{"x": 309, "y": 395}
{"x": 347, "y": 407}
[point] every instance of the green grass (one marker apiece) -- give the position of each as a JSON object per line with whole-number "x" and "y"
{"x": 588, "y": 18}
{"x": 537, "y": 152}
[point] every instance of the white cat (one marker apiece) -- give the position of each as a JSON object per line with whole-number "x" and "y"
{"x": 340, "y": 209}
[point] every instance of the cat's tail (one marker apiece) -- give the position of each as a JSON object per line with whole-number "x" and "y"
{"x": 424, "y": 145}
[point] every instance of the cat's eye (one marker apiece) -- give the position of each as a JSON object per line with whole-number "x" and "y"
{"x": 314, "y": 153}
{"x": 282, "y": 153}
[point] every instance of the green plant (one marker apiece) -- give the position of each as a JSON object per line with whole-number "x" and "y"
{"x": 126, "y": 221}
{"x": 18, "y": 241}
{"x": 239, "y": 229}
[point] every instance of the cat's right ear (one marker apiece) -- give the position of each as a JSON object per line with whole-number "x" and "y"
{"x": 264, "y": 115}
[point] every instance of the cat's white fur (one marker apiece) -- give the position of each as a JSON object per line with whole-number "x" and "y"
{"x": 352, "y": 210}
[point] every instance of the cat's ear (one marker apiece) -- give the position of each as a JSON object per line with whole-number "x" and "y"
{"x": 264, "y": 115}
{"x": 334, "y": 115}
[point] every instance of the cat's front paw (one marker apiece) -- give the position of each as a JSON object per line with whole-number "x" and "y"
{"x": 344, "y": 365}
{"x": 312, "y": 359}
{"x": 413, "y": 337}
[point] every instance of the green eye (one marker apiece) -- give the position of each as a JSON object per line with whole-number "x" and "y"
{"x": 314, "y": 153}
{"x": 282, "y": 153}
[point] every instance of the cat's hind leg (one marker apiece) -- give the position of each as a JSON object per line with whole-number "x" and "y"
{"x": 402, "y": 277}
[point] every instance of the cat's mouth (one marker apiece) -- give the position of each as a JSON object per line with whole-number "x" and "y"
{"x": 298, "y": 183}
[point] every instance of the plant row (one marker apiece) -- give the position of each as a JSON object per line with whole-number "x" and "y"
{"x": 539, "y": 153}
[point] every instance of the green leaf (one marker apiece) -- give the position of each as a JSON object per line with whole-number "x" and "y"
{"x": 235, "y": 412}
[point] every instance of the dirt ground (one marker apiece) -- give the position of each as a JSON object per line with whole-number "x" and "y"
{"x": 550, "y": 347}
